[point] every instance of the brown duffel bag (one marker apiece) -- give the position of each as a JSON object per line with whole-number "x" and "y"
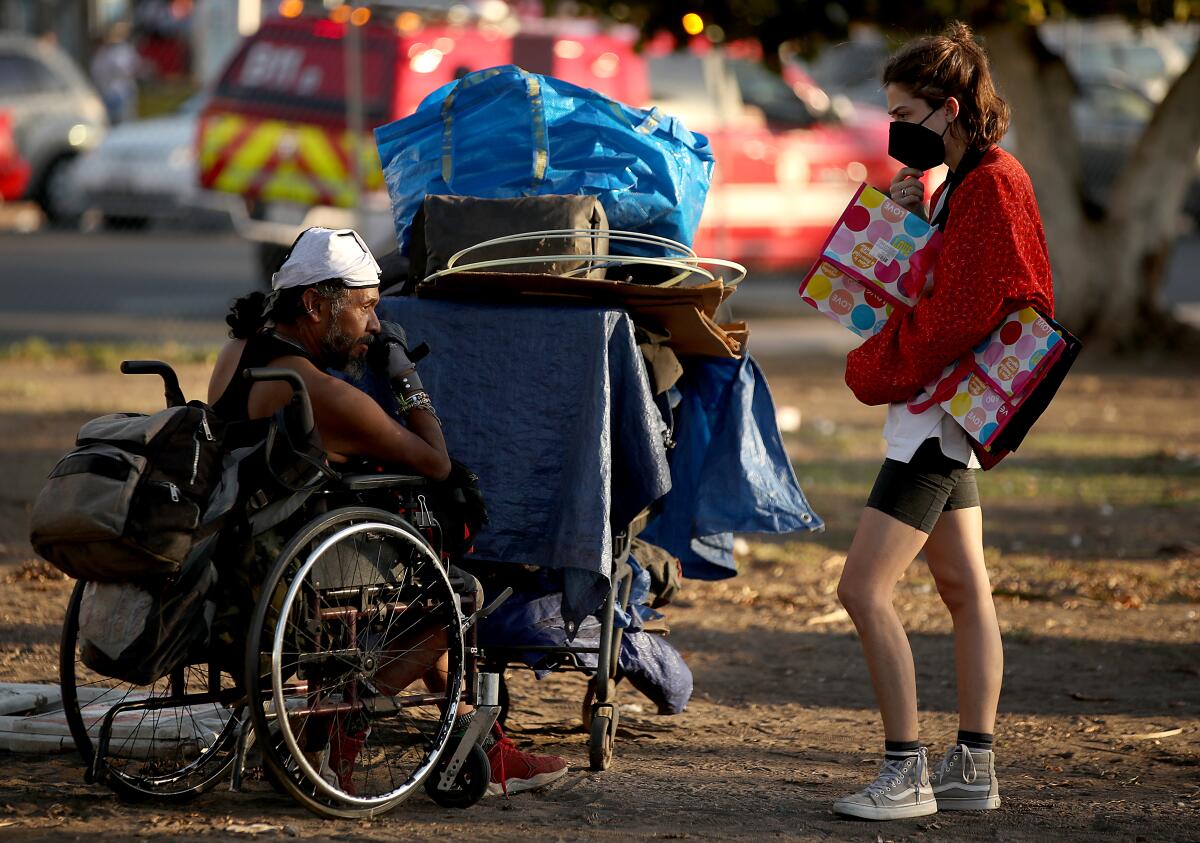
{"x": 447, "y": 224}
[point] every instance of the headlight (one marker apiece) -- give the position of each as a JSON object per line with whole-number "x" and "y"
{"x": 78, "y": 135}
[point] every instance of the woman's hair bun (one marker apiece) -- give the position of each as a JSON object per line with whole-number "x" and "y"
{"x": 960, "y": 33}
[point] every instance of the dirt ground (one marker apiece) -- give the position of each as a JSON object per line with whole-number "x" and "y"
{"x": 1093, "y": 543}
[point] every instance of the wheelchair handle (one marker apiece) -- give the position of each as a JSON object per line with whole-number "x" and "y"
{"x": 171, "y": 390}
{"x": 292, "y": 378}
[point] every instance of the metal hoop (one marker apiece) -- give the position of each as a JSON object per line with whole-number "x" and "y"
{"x": 687, "y": 261}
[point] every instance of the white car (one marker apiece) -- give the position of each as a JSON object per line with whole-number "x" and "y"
{"x": 145, "y": 171}
{"x": 55, "y": 116}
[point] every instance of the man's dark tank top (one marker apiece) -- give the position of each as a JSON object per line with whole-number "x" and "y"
{"x": 261, "y": 350}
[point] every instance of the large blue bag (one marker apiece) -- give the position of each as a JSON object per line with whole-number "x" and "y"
{"x": 504, "y": 132}
{"x": 729, "y": 470}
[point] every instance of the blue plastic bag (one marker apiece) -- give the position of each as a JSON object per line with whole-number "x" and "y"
{"x": 504, "y": 132}
{"x": 730, "y": 471}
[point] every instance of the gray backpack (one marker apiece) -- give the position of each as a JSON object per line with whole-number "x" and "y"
{"x": 127, "y": 503}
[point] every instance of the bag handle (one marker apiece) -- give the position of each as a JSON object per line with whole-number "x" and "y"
{"x": 537, "y": 119}
{"x": 946, "y": 387}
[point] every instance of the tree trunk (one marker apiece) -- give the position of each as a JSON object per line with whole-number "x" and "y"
{"x": 1142, "y": 221}
{"x": 1107, "y": 271}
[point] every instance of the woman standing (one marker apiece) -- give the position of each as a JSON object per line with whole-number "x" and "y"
{"x": 993, "y": 261}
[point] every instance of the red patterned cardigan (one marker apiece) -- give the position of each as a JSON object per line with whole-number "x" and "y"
{"x": 993, "y": 261}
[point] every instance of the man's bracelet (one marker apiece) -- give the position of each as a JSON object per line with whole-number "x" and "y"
{"x": 417, "y": 401}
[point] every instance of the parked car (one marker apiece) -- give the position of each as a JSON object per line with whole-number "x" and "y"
{"x": 1146, "y": 59}
{"x": 14, "y": 172}
{"x": 785, "y": 170}
{"x": 56, "y": 114}
{"x": 145, "y": 171}
{"x": 277, "y": 131}
{"x": 852, "y": 69}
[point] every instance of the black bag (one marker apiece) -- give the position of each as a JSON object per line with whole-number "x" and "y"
{"x": 457, "y": 503}
{"x": 140, "y": 633}
{"x": 127, "y": 503}
{"x": 1033, "y": 406}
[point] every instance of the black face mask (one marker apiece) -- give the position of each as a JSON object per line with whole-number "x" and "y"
{"x": 916, "y": 145}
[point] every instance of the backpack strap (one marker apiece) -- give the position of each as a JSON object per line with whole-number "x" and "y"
{"x": 287, "y": 477}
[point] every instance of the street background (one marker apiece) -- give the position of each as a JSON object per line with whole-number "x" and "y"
{"x": 177, "y": 285}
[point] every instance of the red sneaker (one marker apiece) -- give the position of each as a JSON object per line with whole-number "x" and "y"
{"x": 343, "y": 750}
{"x": 514, "y": 771}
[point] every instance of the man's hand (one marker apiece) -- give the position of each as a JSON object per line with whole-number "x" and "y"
{"x": 908, "y": 191}
{"x": 392, "y": 332}
{"x": 389, "y": 354}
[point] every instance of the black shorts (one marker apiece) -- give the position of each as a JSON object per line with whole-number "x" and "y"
{"x": 918, "y": 491}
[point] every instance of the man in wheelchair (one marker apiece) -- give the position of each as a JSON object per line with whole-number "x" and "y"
{"x": 320, "y": 316}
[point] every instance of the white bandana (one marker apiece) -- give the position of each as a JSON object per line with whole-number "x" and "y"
{"x": 325, "y": 254}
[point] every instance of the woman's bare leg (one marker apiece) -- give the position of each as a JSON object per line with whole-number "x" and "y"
{"x": 955, "y": 556}
{"x": 882, "y": 549}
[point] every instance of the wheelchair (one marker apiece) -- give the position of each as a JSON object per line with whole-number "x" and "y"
{"x": 358, "y": 606}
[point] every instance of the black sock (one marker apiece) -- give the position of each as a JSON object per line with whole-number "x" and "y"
{"x": 900, "y": 749}
{"x": 463, "y": 722}
{"x": 975, "y": 740}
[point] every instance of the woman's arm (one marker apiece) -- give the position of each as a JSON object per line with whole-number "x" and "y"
{"x": 992, "y": 262}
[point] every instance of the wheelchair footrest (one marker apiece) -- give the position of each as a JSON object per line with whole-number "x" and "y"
{"x": 481, "y": 724}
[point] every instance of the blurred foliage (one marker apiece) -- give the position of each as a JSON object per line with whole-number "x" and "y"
{"x": 101, "y": 356}
{"x": 809, "y": 22}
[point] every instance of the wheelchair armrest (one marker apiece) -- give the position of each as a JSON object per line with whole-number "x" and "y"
{"x": 360, "y": 482}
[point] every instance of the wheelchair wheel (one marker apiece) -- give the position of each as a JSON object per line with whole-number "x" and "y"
{"x": 167, "y": 747}
{"x": 357, "y": 644}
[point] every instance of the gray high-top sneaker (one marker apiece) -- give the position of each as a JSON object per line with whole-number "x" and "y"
{"x": 965, "y": 780}
{"x": 900, "y": 790}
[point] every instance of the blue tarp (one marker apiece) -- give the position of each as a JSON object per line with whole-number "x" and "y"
{"x": 652, "y": 665}
{"x": 551, "y": 407}
{"x": 729, "y": 469}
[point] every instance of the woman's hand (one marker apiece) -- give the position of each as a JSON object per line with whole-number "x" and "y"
{"x": 908, "y": 191}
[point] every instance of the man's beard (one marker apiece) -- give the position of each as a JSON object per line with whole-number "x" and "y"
{"x": 336, "y": 348}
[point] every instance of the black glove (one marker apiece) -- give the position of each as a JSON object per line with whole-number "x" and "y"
{"x": 378, "y": 351}
{"x": 389, "y": 354}
{"x": 392, "y": 332}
